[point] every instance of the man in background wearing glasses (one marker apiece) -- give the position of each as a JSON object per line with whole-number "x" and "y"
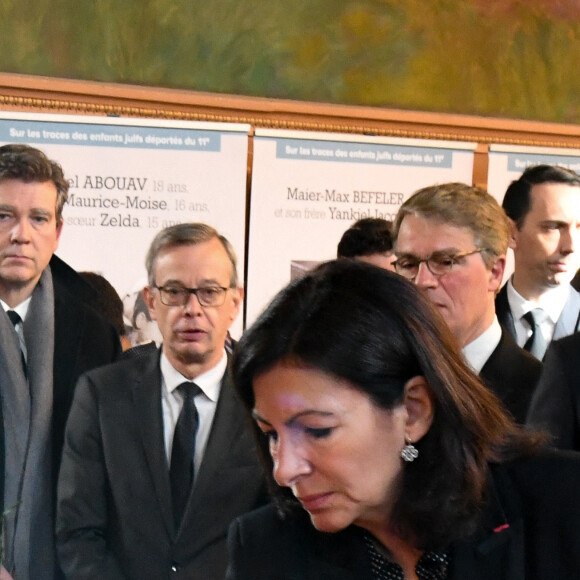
{"x": 451, "y": 241}
{"x": 158, "y": 456}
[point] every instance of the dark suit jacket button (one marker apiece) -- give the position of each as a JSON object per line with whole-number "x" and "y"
{"x": 174, "y": 568}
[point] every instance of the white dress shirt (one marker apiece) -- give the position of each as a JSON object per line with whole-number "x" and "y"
{"x": 551, "y": 302}
{"x": 205, "y": 402}
{"x": 479, "y": 350}
{"x": 22, "y": 311}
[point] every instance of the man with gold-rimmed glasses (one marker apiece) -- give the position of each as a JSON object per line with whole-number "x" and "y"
{"x": 159, "y": 458}
{"x": 451, "y": 241}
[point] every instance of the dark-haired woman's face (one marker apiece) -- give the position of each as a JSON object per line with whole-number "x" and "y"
{"x": 338, "y": 452}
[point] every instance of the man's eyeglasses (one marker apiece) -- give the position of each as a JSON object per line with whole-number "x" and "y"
{"x": 439, "y": 263}
{"x": 175, "y": 295}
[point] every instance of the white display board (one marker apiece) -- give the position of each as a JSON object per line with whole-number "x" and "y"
{"x": 132, "y": 177}
{"x": 308, "y": 188}
{"x": 508, "y": 162}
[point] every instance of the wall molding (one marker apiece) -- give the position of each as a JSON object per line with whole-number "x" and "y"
{"x": 64, "y": 96}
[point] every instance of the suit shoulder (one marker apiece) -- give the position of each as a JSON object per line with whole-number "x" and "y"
{"x": 262, "y": 518}
{"x": 518, "y": 355}
{"x": 69, "y": 308}
{"x": 125, "y": 369}
{"x": 562, "y": 361}
{"x": 501, "y": 301}
{"x": 139, "y": 351}
{"x": 512, "y": 360}
{"x": 512, "y": 374}
{"x": 267, "y": 527}
{"x": 568, "y": 345}
{"x": 554, "y": 470}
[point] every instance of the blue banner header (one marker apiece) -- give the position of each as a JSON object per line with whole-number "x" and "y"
{"x": 103, "y": 135}
{"x": 350, "y": 152}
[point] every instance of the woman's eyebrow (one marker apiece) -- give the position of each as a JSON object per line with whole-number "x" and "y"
{"x": 256, "y": 416}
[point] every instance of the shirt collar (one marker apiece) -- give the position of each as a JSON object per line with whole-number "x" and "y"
{"x": 209, "y": 382}
{"x": 552, "y": 301}
{"x": 479, "y": 350}
{"x": 21, "y": 309}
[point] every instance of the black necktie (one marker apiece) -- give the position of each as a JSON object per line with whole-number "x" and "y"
{"x": 15, "y": 319}
{"x": 181, "y": 471}
{"x": 536, "y": 344}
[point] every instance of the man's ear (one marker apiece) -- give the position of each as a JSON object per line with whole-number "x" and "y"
{"x": 237, "y": 298}
{"x": 418, "y": 401}
{"x": 148, "y": 297}
{"x": 513, "y": 239}
{"x": 496, "y": 274}
{"x": 58, "y": 232}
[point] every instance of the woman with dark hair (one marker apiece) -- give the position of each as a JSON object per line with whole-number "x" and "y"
{"x": 375, "y": 430}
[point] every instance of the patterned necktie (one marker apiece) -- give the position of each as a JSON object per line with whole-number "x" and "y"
{"x": 536, "y": 344}
{"x": 181, "y": 470}
{"x": 15, "y": 319}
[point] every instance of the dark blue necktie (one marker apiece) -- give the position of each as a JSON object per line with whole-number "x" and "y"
{"x": 182, "y": 452}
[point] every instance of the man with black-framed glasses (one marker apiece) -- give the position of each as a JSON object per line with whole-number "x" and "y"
{"x": 158, "y": 457}
{"x": 451, "y": 241}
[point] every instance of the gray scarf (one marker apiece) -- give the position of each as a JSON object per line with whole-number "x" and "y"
{"x": 27, "y": 414}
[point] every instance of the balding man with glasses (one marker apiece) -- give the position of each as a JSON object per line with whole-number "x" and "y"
{"x": 159, "y": 458}
{"x": 451, "y": 241}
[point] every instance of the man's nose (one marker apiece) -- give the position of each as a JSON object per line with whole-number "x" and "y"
{"x": 425, "y": 278}
{"x": 569, "y": 239}
{"x": 192, "y": 306}
{"x": 21, "y": 231}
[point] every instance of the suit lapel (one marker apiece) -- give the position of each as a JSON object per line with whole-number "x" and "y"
{"x": 504, "y": 313}
{"x": 146, "y": 395}
{"x": 226, "y": 428}
{"x": 68, "y": 324}
{"x": 493, "y": 367}
{"x": 569, "y": 320}
{"x": 497, "y": 555}
{"x": 340, "y": 556}
{"x": 496, "y": 550}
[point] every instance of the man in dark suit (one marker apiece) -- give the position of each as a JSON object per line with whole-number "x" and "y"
{"x": 44, "y": 323}
{"x": 451, "y": 241}
{"x": 538, "y": 304}
{"x": 125, "y": 509}
{"x": 555, "y": 406}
